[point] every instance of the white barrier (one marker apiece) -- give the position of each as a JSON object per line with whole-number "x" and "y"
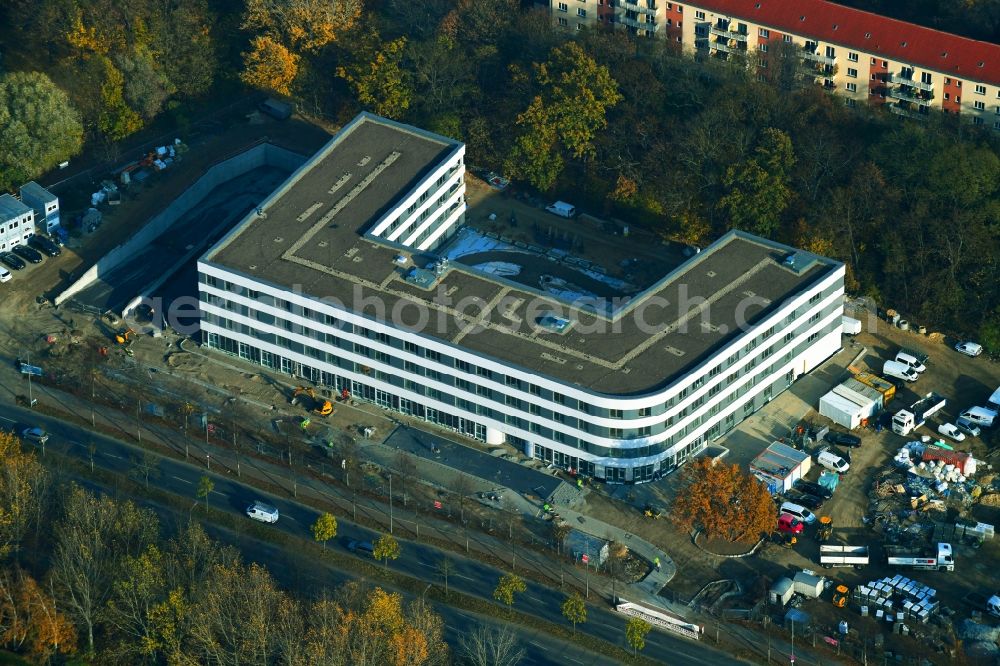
{"x": 661, "y": 619}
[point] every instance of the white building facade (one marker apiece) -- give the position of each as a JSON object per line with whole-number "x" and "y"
{"x": 17, "y": 223}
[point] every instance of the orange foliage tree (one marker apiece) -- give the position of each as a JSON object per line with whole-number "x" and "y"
{"x": 269, "y": 65}
{"x": 723, "y": 501}
{"x": 305, "y": 25}
{"x": 29, "y": 618}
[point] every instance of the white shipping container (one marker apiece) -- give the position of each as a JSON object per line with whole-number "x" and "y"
{"x": 840, "y": 410}
{"x": 852, "y": 326}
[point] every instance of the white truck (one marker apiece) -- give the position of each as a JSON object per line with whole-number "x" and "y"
{"x": 921, "y": 557}
{"x": 843, "y": 556}
{"x": 914, "y": 416}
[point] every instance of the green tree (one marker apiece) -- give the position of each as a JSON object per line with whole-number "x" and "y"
{"x": 386, "y": 548}
{"x": 117, "y": 119}
{"x": 205, "y": 488}
{"x": 325, "y": 528}
{"x": 757, "y": 189}
{"x": 509, "y": 585}
{"x": 378, "y": 78}
{"x": 39, "y": 127}
{"x": 574, "y": 96}
{"x": 574, "y": 609}
{"x": 635, "y": 633}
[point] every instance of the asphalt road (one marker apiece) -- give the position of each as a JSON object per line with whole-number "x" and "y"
{"x": 521, "y": 479}
{"x": 417, "y": 559}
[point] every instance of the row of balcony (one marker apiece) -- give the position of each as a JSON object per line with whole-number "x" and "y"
{"x": 913, "y": 83}
{"x": 907, "y": 95}
{"x": 636, "y": 23}
{"x": 728, "y": 34}
{"x": 815, "y": 56}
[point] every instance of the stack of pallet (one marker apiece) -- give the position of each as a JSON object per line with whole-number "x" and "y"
{"x": 896, "y": 599}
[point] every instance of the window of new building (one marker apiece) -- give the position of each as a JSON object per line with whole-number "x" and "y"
{"x": 980, "y": 90}
{"x": 615, "y": 413}
{"x": 851, "y": 72}
{"x": 432, "y": 355}
{"x": 852, "y": 87}
{"x": 764, "y": 32}
{"x": 980, "y": 106}
{"x": 699, "y": 15}
{"x": 563, "y": 7}
{"x": 615, "y": 433}
{"x": 645, "y": 411}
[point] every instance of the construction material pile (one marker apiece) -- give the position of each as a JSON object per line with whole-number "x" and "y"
{"x": 896, "y": 599}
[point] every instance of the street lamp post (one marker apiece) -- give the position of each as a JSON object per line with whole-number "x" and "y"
{"x": 31, "y": 399}
{"x": 390, "y": 504}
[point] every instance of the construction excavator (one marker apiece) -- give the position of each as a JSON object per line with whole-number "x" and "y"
{"x": 840, "y": 596}
{"x": 825, "y": 530}
{"x": 124, "y": 336}
{"x": 318, "y": 405}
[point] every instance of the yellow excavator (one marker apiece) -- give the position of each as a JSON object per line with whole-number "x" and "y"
{"x": 825, "y": 530}
{"x": 840, "y": 596}
{"x": 319, "y": 405}
{"x": 124, "y": 336}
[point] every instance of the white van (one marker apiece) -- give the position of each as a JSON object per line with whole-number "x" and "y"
{"x": 993, "y": 402}
{"x": 910, "y": 361}
{"x": 265, "y": 513}
{"x": 833, "y": 462}
{"x": 798, "y": 511}
{"x": 979, "y": 416}
{"x": 900, "y": 371}
{"x": 562, "y": 209}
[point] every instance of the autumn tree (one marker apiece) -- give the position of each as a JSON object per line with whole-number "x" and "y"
{"x": 117, "y": 119}
{"x": 757, "y": 189}
{"x": 574, "y": 609}
{"x": 723, "y": 501}
{"x": 302, "y": 25}
{"x": 325, "y": 528}
{"x": 39, "y": 127}
{"x": 386, "y": 548}
{"x": 92, "y": 538}
{"x": 205, "y": 488}
{"x": 509, "y": 585}
{"x": 635, "y": 633}
{"x": 269, "y": 65}
{"x": 22, "y": 482}
{"x": 30, "y": 620}
{"x": 491, "y": 646}
{"x": 140, "y": 587}
{"x": 574, "y": 94}
{"x": 378, "y": 78}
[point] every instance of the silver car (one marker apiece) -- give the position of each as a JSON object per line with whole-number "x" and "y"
{"x": 36, "y": 435}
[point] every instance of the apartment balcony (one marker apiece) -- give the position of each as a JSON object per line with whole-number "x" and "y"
{"x": 636, "y": 23}
{"x": 726, "y": 33}
{"x": 726, "y": 48}
{"x": 906, "y": 113}
{"x": 907, "y": 95}
{"x": 913, "y": 83}
{"x": 815, "y": 56}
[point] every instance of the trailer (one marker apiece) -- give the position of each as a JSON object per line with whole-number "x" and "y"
{"x": 916, "y": 415}
{"x": 843, "y": 556}
{"x": 940, "y": 558}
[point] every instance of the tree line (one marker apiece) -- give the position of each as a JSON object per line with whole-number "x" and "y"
{"x": 632, "y": 128}
{"x": 88, "y": 577}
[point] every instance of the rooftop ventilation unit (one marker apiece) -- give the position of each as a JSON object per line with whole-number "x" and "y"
{"x": 423, "y": 278}
{"x": 551, "y": 322}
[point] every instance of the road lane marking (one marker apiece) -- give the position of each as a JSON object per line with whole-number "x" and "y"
{"x": 464, "y": 576}
{"x": 180, "y": 479}
{"x": 539, "y": 645}
{"x": 535, "y": 598}
{"x": 112, "y": 455}
{"x": 7, "y": 419}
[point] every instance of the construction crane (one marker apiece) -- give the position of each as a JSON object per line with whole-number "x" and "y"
{"x": 123, "y": 337}
{"x": 319, "y": 405}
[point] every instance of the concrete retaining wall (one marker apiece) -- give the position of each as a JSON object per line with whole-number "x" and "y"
{"x": 263, "y": 154}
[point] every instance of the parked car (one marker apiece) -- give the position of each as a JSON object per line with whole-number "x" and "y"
{"x": 952, "y": 431}
{"x": 842, "y": 438}
{"x": 28, "y": 254}
{"x": 813, "y": 488}
{"x": 5, "y": 275}
{"x": 831, "y": 461}
{"x": 790, "y": 524}
{"x": 36, "y": 435}
{"x": 262, "y": 512}
{"x": 967, "y": 426}
{"x": 46, "y": 245}
{"x": 798, "y": 511}
{"x": 11, "y": 260}
{"x": 969, "y": 348}
{"x": 805, "y": 499}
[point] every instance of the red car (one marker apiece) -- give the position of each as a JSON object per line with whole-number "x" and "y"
{"x": 789, "y": 524}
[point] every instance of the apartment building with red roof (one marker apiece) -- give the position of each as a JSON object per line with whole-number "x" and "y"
{"x": 863, "y": 56}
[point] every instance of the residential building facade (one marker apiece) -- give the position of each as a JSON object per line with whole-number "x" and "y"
{"x": 316, "y": 286}
{"x": 862, "y": 56}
